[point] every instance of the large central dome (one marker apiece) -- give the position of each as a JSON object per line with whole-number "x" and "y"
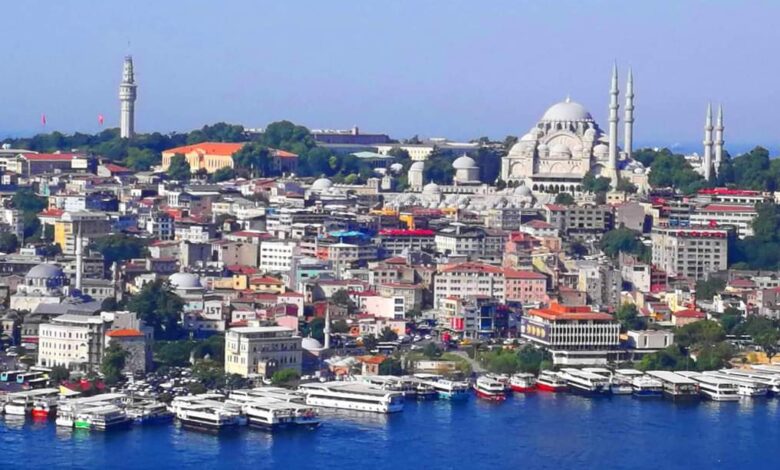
{"x": 567, "y": 111}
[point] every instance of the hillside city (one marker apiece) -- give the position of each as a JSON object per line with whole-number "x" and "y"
{"x": 231, "y": 257}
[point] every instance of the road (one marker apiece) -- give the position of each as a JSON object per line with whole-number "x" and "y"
{"x": 475, "y": 366}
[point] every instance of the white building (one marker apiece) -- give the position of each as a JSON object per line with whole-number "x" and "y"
{"x": 276, "y": 255}
{"x": 467, "y": 280}
{"x": 73, "y": 341}
{"x": 261, "y": 350}
{"x": 740, "y": 216}
{"x": 691, "y": 252}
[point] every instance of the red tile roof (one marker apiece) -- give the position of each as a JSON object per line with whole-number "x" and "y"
{"x": 473, "y": 268}
{"x": 114, "y": 168}
{"x": 689, "y": 313}
{"x": 557, "y": 311}
{"x": 125, "y": 333}
{"x": 510, "y": 273}
{"x": 50, "y": 156}
{"x": 209, "y": 148}
{"x": 728, "y": 208}
{"x": 51, "y": 212}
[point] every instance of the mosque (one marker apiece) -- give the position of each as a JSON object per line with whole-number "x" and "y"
{"x": 567, "y": 143}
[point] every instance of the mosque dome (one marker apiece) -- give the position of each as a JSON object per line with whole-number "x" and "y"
{"x": 45, "y": 271}
{"x": 431, "y": 188}
{"x": 464, "y": 163}
{"x": 567, "y": 111}
{"x": 310, "y": 344}
{"x": 601, "y": 150}
{"x": 523, "y": 190}
{"x": 321, "y": 184}
{"x": 559, "y": 149}
{"x": 417, "y": 166}
{"x": 185, "y": 281}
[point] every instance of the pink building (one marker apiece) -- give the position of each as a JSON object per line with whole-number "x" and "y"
{"x": 527, "y": 287}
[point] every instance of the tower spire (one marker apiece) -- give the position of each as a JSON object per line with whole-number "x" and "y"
{"x": 628, "y": 136}
{"x": 613, "y": 127}
{"x": 719, "y": 140}
{"x": 127, "y": 96}
{"x": 707, "y": 163}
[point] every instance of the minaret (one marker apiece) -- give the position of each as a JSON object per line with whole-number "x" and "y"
{"x": 326, "y": 330}
{"x": 719, "y": 140}
{"x": 613, "y": 128}
{"x": 707, "y": 161}
{"x": 628, "y": 138}
{"x": 79, "y": 255}
{"x": 127, "y": 95}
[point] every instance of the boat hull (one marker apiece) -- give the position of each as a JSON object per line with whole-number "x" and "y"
{"x": 523, "y": 388}
{"x": 590, "y": 392}
{"x": 545, "y": 387}
{"x": 489, "y": 395}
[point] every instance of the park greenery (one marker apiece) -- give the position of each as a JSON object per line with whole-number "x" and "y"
{"x": 510, "y": 361}
{"x": 159, "y": 308}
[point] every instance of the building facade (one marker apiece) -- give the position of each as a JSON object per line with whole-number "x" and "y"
{"x": 261, "y": 350}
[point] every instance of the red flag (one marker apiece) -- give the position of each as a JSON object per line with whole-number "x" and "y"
{"x": 43, "y": 119}
{"x": 100, "y": 119}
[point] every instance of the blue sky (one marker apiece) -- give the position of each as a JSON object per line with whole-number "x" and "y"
{"x": 435, "y": 68}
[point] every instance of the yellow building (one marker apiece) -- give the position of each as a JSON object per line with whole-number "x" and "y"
{"x": 209, "y": 156}
{"x": 93, "y": 225}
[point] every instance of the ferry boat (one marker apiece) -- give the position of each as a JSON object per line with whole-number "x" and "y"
{"x": 44, "y": 408}
{"x": 489, "y": 388}
{"x": 425, "y": 392}
{"x": 102, "y": 418}
{"x": 149, "y": 413}
{"x": 523, "y": 383}
{"x": 549, "y": 381}
{"x": 446, "y": 389}
{"x": 771, "y": 380}
{"x": 22, "y": 403}
{"x": 207, "y": 415}
{"x": 745, "y": 387}
{"x": 585, "y": 383}
{"x": 647, "y": 387}
{"x": 618, "y": 384}
{"x": 713, "y": 388}
{"x": 69, "y": 408}
{"x": 352, "y": 396}
{"x": 273, "y": 415}
{"x": 676, "y": 387}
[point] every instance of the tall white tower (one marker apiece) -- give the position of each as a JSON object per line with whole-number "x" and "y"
{"x": 719, "y": 140}
{"x": 707, "y": 162}
{"x": 628, "y": 137}
{"x": 127, "y": 96}
{"x": 613, "y": 128}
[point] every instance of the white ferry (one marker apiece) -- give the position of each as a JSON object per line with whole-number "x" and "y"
{"x": 352, "y": 396}
{"x": 523, "y": 383}
{"x": 769, "y": 379}
{"x": 745, "y": 387}
{"x": 68, "y": 409}
{"x": 207, "y": 415}
{"x": 149, "y": 413}
{"x": 489, "y": 388}
{"x": 22, "y": 403}
{"x": 273, "y": 415}
{"x": 446, "y": 389}
{"x": 102, "y": 418}
{"x": 550, "y": 381}
{"x": 647, "y": 387}
{"x": 618, "y": 384}
{"x": 676, "y": 386}
{"x": 585, "y": 383}
{"x": 712, "y": 387}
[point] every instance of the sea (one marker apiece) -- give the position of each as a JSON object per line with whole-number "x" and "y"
{"x": 524, "y": 432}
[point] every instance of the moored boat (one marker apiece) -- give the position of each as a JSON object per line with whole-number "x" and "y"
{"x": 549, "y": 381}
{"x": 523, "y": 383}
{"x": 488, "y": 388}
{"x": 586, "y": 383}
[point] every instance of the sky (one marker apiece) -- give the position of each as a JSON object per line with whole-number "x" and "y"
{"x": 447, "y": 68}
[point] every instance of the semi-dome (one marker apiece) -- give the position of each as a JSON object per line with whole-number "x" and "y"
{"x": 464, "y": 162}
{"x": 417, "y": 166}
{"x": 185, "y": 281}
{"x": 559, "y": 149}
{"x": 45, "y": 271}
{"x": 567, "y": 111}
{"x": 321, "y": 184}
{"x": 310, "y": 344}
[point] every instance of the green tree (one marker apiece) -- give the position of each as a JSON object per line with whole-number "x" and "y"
{"x": 530, "y": 359}
{"x": 501, "y": 361}
{"x": 255, "y": 158}
{"x": 285, "y": 378}
{"x": 390, "y": 366}
{"x": 26, "y": 200}
{"x": 58, "y": 375}
{"x": 119, "y": 247}
{"x": 730, "y": 319}
{"x": 179, "y": 169}
{"x": 8, "y": 242}
{"x": 159, "y": 308}
{"x": 674, "y": 171}
{"x": 564, "y": 198}
{"x": 700, "y": 333}
{"x": 113, "y": 364}
{"x": 716, "y": 356}
{"x": 431, "y": 351}
{"x": 223, "y": 174}
{"x": 622, "y": 240}
{"x": 767, "y": 340}
{"x": 706, "y": 290}
{"x": 173, "y": 353}
{"x": 31, "y": 225}
{"x": 626, "y": 186}
{"x": 596, "y": 184}
{"x": 387, "y": 334}
{"x": 342, "y": 299}
{"x": 141, "y": 159}
{"x": 628, "y": 316}
{"x": 339, "y": 326}
{"x": 671, "y": 358}
{"x": 210, "y": 373}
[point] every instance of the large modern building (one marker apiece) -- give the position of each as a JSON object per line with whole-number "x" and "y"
{"x": 261, "y": 350}
{"x": 581, "y": 221}
{"x": 575, "y": 335}
{"x": 691, "y": 252}
{"x": 469, "y": 280}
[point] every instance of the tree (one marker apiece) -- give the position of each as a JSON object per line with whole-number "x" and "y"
{"x": 210, "y": 373}
{"x": 390, "y": 366}
{"x": 369, "y": 342}
{"x": 113, "y": 364}
{"x": 431, "y": 351}
{"x": 700, "y": 333}
{"x": 141, "y": 159}
{"x": 564, "y": 198}
{"x": 58, "y": 375}
{"x": 626, "y": 186}
{"x": 501, "y": 361}
{"x": 671, "y": 358}
{"x": 173, "y": 353}
{"x": 767, "y": 340}
{"x": 712, "y": 357}
{"x": 26, "y": 200}
{"x": 628, "y": 316}
{"x": 223, "y": 174}
{"x": 339, "y": 326}
{"x": 596, "y": 184}
{"x": 342, "y": 299}
{"x": 730, "y": 319}
{"x": 285, "y": 378}
{"x": 109, "y": 304}
{"x": 8, "y": 242}
{"x": 31, "y": 225}
{"x": 706, "y": 290}
{"x": 387, "y": 334}
{"x": 673, "y": 171}
{"x": 622, "y": 240}
{"x": 119, "y": 247}
{"x": 254, "y": 157}
{"x": 179, "y": 168}
{"x": 530, "y": 359}
{"x": 159, "y": 308}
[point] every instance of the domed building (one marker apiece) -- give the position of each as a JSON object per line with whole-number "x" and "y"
{"x": 415, "y": 177}
{"x": 466, "y": 170}
{"x": 43, "y": 284}
{"x": 567, "y": 143}
{"x": 185, "y": 282}
{"x": 321, "y": 184}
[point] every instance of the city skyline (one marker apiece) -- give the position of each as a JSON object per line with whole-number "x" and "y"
{"x": 484, "y": 70}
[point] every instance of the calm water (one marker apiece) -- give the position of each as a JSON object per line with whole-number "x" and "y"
{"x": 540, "y": 431}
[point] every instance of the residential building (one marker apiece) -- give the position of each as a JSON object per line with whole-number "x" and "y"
{"x": 526, "y": 287}
{"x": 691, "y": 252}
{"x": 468, "y": 280}
{"x": 89, "y": 225}
{"x": 581, "y": 221}
{"x": 276, "y": 255}
{"x": 252, "y": 351}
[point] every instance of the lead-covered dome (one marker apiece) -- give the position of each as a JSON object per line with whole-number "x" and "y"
{"x": 464, "y": 163}
{"x": 45, "y": 271}
{"x": 321, "y": 184}
{"x": 567, "y": 111}
{"x": 185, "y": 281}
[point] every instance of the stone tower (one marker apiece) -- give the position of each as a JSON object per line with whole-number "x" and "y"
{"x": 719, "y": 140}
{"x": 613, "y": 128}
{"x": 628, "y": 138}
{"x": 707, "y": 160}
{"x": 127, "y": 96}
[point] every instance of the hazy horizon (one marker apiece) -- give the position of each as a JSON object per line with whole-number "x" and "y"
{"x": 459, "y": 70}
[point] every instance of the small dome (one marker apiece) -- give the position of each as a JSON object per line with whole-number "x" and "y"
{"x": 523, "y": 190}
{"x": 601, "y": 149}
{"x": 185, "y": 281}
{"x": 310, "y": 344}
{"x": 528, "y": 137}
{"x": 321, "y": 184}
{"x": 560, "y": 149}
{"x": 431, "y": 188}
{"x": 464, "y": 163}
{"x": 566, "y": 111}
{"x": 417, "y": 166}
{"x": 45, "y": 271}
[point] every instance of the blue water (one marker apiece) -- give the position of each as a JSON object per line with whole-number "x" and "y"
{"x": 538, "y": 431}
